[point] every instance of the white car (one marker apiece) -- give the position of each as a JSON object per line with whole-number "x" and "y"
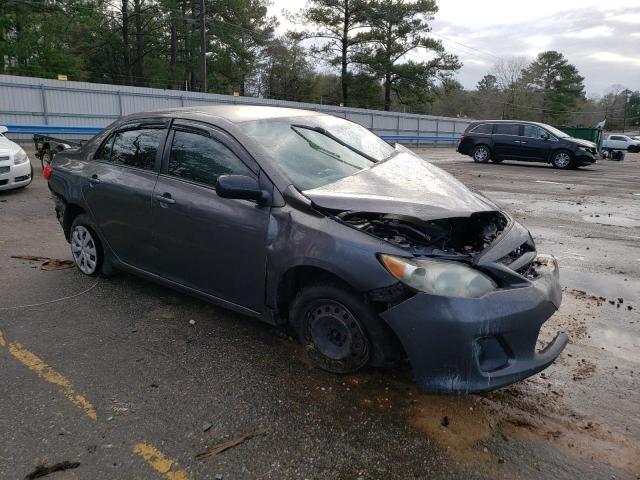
{"x": 617, "y": 141}
{"x": 15, "y": 168}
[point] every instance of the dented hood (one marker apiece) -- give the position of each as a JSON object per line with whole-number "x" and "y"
{"x": 404, "y": 184}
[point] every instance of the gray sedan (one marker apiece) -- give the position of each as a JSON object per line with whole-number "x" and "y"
{"x": 371, "y": 254}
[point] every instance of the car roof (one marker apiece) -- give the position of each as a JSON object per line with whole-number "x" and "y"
{"x": 527, "y": 122}
{"x": 235, "y": 113}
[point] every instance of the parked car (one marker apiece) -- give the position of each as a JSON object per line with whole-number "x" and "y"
{"x": 15, "y": 168}
{"x": 499, "y": 140}
{"x": 46, "y": 147}
{"x": 370, "y": 253}
{"x": 616, "y": 141}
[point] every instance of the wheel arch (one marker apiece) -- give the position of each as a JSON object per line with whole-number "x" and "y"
{"x": 71, "y": 212}
{"x": 297, "y": 277}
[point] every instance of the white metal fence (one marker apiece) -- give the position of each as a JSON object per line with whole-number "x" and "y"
{"x": 38, "y": 101}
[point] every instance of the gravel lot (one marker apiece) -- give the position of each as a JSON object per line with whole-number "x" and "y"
{"x": 132, "y": 380}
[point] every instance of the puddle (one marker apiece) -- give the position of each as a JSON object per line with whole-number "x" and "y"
{"x": 621, "y": 343}
{"x": 614, "y": 220}
{"x": 610, "y": 286}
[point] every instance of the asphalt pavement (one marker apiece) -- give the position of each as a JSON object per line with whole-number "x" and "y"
{"x": 121, "y": 378}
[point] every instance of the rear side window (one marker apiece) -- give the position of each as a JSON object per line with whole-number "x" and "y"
{"x": 507, "y": 129}
{"x": 484, "y": 128}
{"x": 134, "y": 148}
{"x": 617, "y": 138}
{"x": 202, "y": 159}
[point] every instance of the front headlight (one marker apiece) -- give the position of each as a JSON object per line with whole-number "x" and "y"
{"x": 20, "y": 157}
{"x": 448, "y": 279}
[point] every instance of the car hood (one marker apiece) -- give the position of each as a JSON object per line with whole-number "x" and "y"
{"x": 581, "y": 142}
{"x": 7, "y": 147}
{"x": 404, "y": 184}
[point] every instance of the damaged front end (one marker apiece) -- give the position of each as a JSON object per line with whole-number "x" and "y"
{"x": 471, "y": 297}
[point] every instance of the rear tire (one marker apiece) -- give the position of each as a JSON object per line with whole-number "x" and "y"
{"x": 562, "y": 159}
{"x": 340, "y": 333}
{"x": 481, "y": 154}
{"x": 87, "y": 250}
{"x": 46, "y": 157}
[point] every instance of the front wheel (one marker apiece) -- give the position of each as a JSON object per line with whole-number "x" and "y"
{"x": 339, "y": 332}
{"x": 562, "y": 160}
{"x": 481, "y": 154}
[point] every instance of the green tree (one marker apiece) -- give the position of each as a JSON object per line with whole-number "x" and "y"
{"x": 334, "y": 23}
{"x": 396, "y": 29}
{"x": 557, "y": 83}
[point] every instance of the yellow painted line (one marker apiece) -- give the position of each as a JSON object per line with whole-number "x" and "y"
{"x": 47, "y": 373}
{"x": 2, "y": 342}
{"x": 161, "y": 464}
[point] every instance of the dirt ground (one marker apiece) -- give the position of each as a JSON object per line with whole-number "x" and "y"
{"x": 126, "y": 379}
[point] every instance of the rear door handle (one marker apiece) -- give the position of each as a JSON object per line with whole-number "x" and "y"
{"x": 165, "y": 198}
{"x": 94, "y": 180}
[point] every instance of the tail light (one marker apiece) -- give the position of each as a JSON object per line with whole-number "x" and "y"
{"x": 462, "y": 137}
{"x": 47, "y": 172}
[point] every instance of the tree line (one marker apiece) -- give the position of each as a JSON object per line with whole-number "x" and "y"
{"x": 362, "y": 53}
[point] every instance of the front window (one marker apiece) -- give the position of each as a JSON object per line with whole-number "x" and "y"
{"x": 310, "y": 156}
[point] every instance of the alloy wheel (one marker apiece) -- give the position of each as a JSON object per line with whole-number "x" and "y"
{"x": 481, "y": 155}
{"x": 84, "y": 250}
{"x": 562, "y": 160}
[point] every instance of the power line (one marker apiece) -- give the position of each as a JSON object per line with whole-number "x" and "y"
{"x": 467, "y": 46}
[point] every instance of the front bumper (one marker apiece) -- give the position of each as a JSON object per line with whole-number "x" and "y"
{"x": 14, "y": 176}
{"x": 583, "y": 158}
{"x": 461, "y": 345}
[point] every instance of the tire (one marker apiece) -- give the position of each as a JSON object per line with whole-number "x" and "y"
{"x": 340, "y": 333}
{"x": 46, "y": 157}
{"x": 481, "y": 154}
{"x": 562, "y": 159}
{"x": 86, "y": 248}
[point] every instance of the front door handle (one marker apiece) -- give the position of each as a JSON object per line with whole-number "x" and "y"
{"x": 94, "y": 180}
{"x": 165, "y": 198}
{"x": 523, "y": 142}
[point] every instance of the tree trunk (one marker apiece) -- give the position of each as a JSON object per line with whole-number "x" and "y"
{"x": 125, "y": 41}
{"x": 345, "y": 59}
{"x": 174, "y": 46}
{"x": 139, "y": 64}
{"x": 387, "y": 92}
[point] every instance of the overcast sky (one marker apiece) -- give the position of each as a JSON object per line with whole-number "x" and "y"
{"x": 601, "y": 38}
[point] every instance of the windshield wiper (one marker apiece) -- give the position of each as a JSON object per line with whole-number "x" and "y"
{"x": 326, "y": 133}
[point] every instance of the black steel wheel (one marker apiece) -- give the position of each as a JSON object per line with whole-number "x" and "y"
{"x": 339, "y": 331}
{"x": 333, "y": 337}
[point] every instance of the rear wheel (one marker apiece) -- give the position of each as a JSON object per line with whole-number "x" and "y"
{"x": 340, "y": 333}
{"x": 46, "y": 158}
{"x": 481, "y": 154}
{"x": 86, "y": 248}
{"x": 562, "y": 159}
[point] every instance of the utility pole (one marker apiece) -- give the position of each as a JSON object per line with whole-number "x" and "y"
{"x": 627, "y": 98}
{"x": 203, "y": 46}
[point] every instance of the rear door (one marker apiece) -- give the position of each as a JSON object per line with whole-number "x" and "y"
{"x": 119, "y": 188}
{"x": 506, "y": 140}
{"x": 205, "y": 242}
{"x": 534, "y": 144}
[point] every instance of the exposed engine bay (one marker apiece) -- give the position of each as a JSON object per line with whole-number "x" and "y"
{"x": 464, "y": 236}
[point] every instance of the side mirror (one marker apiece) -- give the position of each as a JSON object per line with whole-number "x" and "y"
{"x": 3, "y": 129}
{"x": 238, "y": 187}
{"x": 544, "y": 136}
